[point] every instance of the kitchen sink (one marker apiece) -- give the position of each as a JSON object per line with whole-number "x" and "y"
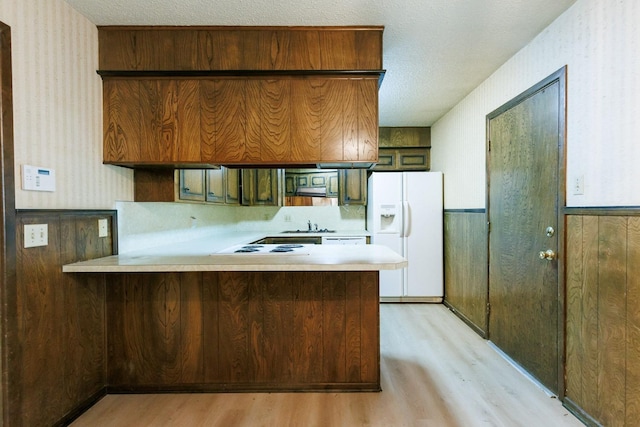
{"x": 322, "y": 230}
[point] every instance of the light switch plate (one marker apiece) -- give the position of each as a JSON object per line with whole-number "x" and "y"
{"x": 578, "y": 185}
{"x": 103, "y": 227}
{"x": 36, "y": 235}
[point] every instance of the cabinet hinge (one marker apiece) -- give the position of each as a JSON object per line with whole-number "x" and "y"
{"x": 488, "y": 308}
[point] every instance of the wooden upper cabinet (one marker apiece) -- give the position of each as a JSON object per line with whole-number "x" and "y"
{"x": 404, "y": 149}
{"x": 142, "y": 48}
{"x": 239, "y": 122}
{"x": 197, "y": 96}
{"x": 151, "y": 121}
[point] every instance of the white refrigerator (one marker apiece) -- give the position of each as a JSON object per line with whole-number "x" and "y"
{"x": 405, "y": 213}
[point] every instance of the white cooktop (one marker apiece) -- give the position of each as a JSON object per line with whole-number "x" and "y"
{"x": 268, "y": 249}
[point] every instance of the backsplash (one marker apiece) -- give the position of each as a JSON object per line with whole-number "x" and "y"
{"x": 147, "y": 225}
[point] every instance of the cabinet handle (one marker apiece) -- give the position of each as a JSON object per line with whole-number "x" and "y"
{"x": 185, "y": 189}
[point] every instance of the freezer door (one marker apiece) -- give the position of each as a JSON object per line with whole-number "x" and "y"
{"x": 423, "y": 245}
{"x": 391, "y": 281}
{"x": 385, "y": 199}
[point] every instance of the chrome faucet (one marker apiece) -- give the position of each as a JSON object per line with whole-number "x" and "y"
{"x": 309, "y": 225}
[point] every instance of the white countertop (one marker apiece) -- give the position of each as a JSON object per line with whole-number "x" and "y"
{"x": 201, "y": 255}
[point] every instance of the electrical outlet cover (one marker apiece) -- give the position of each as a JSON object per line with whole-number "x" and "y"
{"x": 103, "y": 227}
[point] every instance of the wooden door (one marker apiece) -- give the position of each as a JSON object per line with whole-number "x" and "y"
{"x": 524, "y": 163}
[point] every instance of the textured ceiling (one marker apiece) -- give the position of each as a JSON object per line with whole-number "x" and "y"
{"x": 435, "y": 51}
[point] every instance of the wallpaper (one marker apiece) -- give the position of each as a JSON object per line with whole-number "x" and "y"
{"x": 57, "y": 101}
{"x": 598, "y": 41}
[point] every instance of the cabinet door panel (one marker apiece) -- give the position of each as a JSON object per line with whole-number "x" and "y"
{"x": 350, "y": 143}
{"x": 332, "y": 121}
{"x": 208, "y": 121}
{"x": 215, "y": 186}
{"x": 232, "y": 181}
{"x": 253, "y": 129}
{"x": 353, "y": 187}
{"x": 121, "y": 121}
{"x": 169, "y": 110}
{"x": 170, "y": 121}
{"x": 276, "y": 124}
{"x": 367, "y": 109}
{"x": 261, "y": 187}
{"x": 152, "y": 146}
{"x": 306, "y": 119}
{"x": 229, "y": 110}
{"x": 187, "y": 121}
{"x": 192, "y": 184}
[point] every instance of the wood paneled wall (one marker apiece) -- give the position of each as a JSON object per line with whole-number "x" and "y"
{"x": 56, "y": 322}
{"x": 218, "y": 331}
{"x": 603, "y": 317}
{"x": 465, "y": 266}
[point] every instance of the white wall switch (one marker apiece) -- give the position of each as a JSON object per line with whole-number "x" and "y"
{"x": 36, "y": 235}
{"x": 578, "y": 185}
{"x": 103, "y": 227}
{"x": 36, "y": 178}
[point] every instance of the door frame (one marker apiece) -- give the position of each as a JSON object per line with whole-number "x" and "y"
{"x": 8, "y": 221}
{"x": 559, "y": 76}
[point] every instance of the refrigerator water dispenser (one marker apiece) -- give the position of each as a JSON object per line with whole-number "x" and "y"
{"x": 389, "y": 222}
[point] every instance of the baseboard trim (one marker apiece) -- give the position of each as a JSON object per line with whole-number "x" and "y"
{"x": 477, "y": 329}
{"x": 523, "y": 371}
{"x": 82, "y": 408}
{"x": 579, "y": 413}
{"x": 431, "y": 300}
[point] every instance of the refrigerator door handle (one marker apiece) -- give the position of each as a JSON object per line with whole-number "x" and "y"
{"x": 406, "y": 219}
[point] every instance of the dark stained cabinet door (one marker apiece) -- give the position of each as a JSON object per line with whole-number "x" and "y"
{"x": 262, "y": 187}
{"x": 215, "y": 185}
{"x": 240, "y": 121}
{"x": 352, "y": 187}
{"x": 192, "y": 185}
{"x": 122, "y": 117}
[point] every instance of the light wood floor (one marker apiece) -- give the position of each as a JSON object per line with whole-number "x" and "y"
{"x": 435, "y": 372}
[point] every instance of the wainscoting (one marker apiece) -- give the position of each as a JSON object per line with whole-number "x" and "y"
{"x": 602, "y": 326}
{"x": 603, "y": 316}
{"x": 466, "y": 287}
{"x": 55, "y": 322}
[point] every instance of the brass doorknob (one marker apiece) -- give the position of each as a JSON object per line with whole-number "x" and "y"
{"x": 549, "y": 255}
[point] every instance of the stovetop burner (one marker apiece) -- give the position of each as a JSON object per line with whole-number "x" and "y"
{"x": 247, "y": 250}
{"x": 286, "y": 248}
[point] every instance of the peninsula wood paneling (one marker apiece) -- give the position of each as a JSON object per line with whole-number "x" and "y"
{"x": 603, "y": 320}
{"x": 243, "y": 331}
{"x": 240, "y": 48}
{"x": 56, "y": 347}
{"x": 465, "y": 267}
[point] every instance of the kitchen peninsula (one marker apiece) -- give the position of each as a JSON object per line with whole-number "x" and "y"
{"x": 188, "y": 318}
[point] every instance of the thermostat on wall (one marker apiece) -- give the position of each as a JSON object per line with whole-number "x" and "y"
{"x": 36, "y": 178}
